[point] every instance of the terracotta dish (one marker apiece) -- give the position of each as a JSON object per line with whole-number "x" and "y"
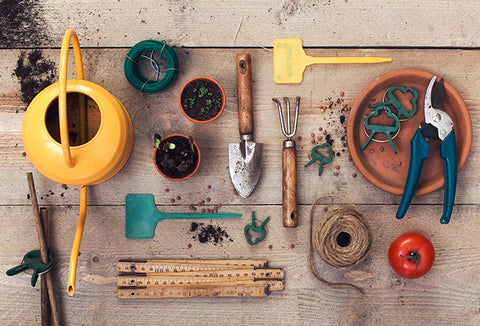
{"x": 378, "y": 162}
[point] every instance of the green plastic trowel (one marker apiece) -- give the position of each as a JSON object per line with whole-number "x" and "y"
{"x": 142, "y": 216}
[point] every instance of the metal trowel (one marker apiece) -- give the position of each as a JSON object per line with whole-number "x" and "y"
{"x": 245, "y": 158}
{"x": 142, "y": 216}
{"x": 290, "y": 60}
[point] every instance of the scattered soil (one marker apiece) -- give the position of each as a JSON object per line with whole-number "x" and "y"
{"x": 34, "y": 73}
{"x": 177, "y": 157}
{"x": 335, "y": 128}
{"x": 201, "y": 99}
{"x": 329, "y": 139}
{"x": 208, "y": 233}
{"x": 22, "y": 24}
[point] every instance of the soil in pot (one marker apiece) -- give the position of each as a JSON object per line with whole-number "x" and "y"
{"x": 201, "y": 99}
{"x": 176, "y": 157}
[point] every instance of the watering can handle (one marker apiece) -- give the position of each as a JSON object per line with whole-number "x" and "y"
{"x": 62, "y": 95}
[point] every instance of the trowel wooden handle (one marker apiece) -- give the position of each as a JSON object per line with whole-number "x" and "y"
{"x": 244, "y": 90}
{"x": 289, "y": 178}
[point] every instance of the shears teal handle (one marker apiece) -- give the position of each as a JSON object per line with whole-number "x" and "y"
{"x": 448, "y": 151}
{"x": 419, "y": 148}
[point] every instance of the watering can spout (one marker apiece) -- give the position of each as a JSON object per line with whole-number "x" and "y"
{"x": 72, "y": 271}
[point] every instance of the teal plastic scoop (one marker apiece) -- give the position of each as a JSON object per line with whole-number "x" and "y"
{"x": 142, "y": 216}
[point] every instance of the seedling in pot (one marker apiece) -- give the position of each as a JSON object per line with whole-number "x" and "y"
{"x": 177, "y": 157}
{"x": 202, "y": 99}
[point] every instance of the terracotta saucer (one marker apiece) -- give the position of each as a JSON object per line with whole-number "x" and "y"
{"x": 378, "y": 162}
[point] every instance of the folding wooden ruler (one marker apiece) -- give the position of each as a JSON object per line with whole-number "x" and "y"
{"x": 186, "y": 265}
{"x": 193, "y": 291}
{"x": 197, "y": 278}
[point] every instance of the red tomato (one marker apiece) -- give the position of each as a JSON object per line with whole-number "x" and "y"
{"x": 411, "y": 255}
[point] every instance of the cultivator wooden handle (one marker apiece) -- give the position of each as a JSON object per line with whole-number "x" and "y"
{"x": 244, "y": 90}
{"x": 289, "y": 163}
{"x": 289, "y": 178}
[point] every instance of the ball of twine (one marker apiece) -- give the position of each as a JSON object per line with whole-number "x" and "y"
{"x": 342, "y": 239}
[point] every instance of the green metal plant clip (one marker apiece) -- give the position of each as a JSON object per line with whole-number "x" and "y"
{"x": 388, "y": 130}
{"x": 317, "y": 156}
{"x": 390, "y": 99}
{"x": 257, "y": 229}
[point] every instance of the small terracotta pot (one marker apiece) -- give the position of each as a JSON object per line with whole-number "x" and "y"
{"x": 171, "y": 177}
{"x": 188, "y": 83}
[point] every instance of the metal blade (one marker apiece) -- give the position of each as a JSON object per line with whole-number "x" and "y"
{"x": 434, "y": 115}
{"x": 245, "y": 165}
{"x": 437, "y": 95}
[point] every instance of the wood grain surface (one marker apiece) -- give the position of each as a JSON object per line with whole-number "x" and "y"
{"x": 436, "y": 36}
{"x": 207, "y": 23}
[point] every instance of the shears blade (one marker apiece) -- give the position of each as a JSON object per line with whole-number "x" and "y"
{"x": 437, "y": 95}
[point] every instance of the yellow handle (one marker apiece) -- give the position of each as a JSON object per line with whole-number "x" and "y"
{"x": 72, "y": 271}
{"x": 62, "y": 95}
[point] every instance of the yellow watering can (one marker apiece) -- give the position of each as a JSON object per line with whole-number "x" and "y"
{"x": 94, "y": 160}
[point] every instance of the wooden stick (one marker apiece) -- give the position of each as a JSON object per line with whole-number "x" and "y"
{"x": 44, "y": 299}
{"x": 43, "y": 247}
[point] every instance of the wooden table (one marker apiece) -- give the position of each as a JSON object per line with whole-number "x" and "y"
{"x": 436, "y": 36}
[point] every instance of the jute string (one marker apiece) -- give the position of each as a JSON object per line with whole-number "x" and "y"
{"x": 341, "y": 239}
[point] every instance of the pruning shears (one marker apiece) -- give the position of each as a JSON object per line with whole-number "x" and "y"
{"x": 437, "y": 124}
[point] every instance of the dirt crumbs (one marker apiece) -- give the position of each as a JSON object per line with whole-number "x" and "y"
{"x": 334, "y": 128}
{"x": 22, "y": 24}
{"x": 207, "y": 233}
{"x": 35, "y": 73}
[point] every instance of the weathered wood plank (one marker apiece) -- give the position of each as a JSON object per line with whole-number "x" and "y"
{"x": 448, "y": 294}
{"x": 205, "y": 23}
{"x": 159, "y": 112}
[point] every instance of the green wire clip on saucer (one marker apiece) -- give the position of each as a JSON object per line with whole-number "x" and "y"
{"x": 385, "y": 129}
{"x": 164, "y": 75}
{"x": 389, "y": 99}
